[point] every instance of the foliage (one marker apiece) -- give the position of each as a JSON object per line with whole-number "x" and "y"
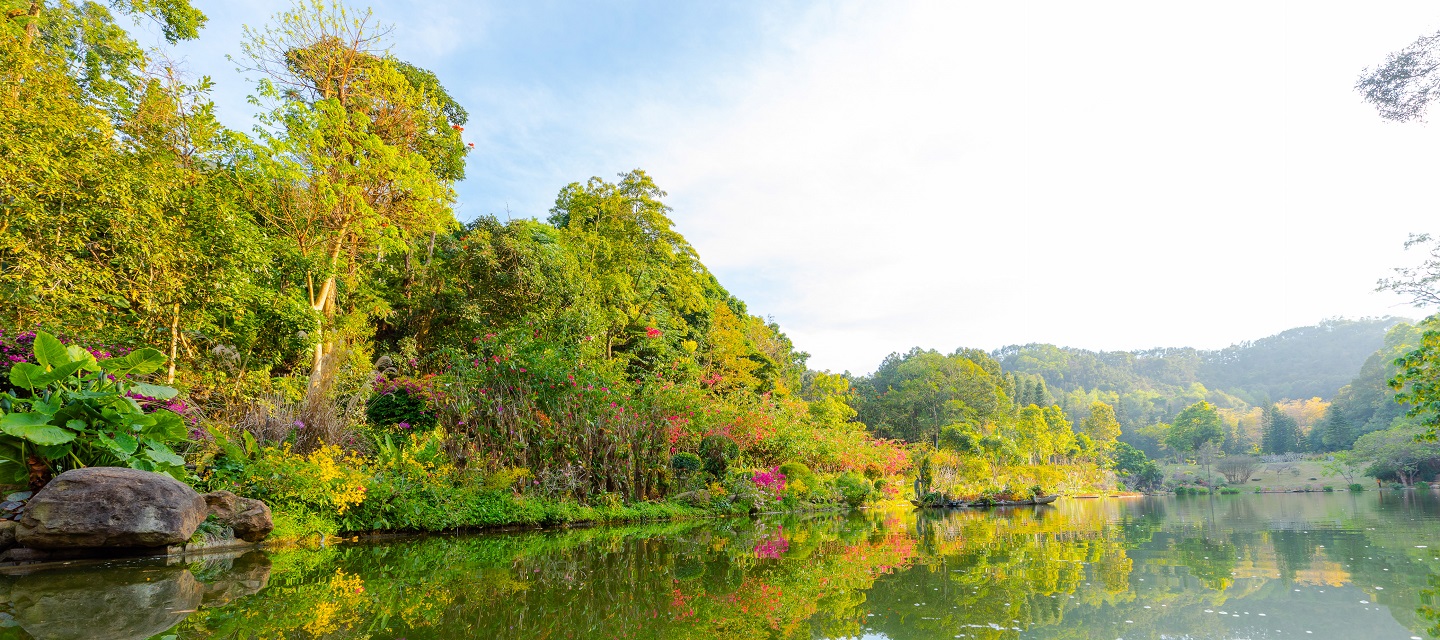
{"x": 1399, "y": 452}
{"x": 1135, "y": 469}
{"x": 686, "y": 463}
{"x": 1198, "y": 424}
{"x": 855, "y": 488}
{"x": 69, "y": 410}
{"x": 718, "y": 452}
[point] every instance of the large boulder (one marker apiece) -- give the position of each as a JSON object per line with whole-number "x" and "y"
{"x": 110, "y": 507}
{"x": 247, "y": 517}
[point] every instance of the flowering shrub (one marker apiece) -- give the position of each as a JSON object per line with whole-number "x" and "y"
{"x": 771, "y": 481}
{"x": 404, "y": 403}
{"x": 325, "y": 481}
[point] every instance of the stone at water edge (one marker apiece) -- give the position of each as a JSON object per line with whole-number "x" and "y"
{"x": 110, "y": 507}
{"x": 247, "y": 517}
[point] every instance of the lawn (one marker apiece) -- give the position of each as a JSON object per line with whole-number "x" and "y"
{"x": 1272, "y": 476}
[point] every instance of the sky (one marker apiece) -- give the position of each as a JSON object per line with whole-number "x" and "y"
{"x": 876, "y": 176}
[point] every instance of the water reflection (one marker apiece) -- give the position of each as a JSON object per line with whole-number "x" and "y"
{"x": 1336, "y": 566}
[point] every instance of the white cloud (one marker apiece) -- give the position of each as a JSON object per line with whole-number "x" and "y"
{"x": 961, "y": 174}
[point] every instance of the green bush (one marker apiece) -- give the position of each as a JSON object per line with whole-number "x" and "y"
{"x": 1228, "y": 491}
{"x": 400, "y": 408}
{"x": 718, "y": 452}
{"x": 1397, "y": 486}
{"x": 686, "y": 463}
{"x": 1357, "y": 487}
{"x": 796, "y": 471}
{"x": 856, "y": 489}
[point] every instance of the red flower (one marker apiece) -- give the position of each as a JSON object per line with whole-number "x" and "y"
{"x": 652, "y": 332}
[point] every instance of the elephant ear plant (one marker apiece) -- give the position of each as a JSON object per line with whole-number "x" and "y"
{"x": 70, "y": 411}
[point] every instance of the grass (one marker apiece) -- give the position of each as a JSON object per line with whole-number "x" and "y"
{"x": 1271, "y": 477}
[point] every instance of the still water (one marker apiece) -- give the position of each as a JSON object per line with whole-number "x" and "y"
{"x": 1361, "y": 566}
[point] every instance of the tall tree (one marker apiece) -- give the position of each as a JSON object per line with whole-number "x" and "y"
{"x": 1279, "y": 433}
{"x": 361, "y": 159}
{"x": 1102, "y": 427}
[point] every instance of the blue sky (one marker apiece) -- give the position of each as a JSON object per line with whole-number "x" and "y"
{"x": 877, "y": 176}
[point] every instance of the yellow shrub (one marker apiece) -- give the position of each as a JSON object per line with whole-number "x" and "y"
{"x": 326, "y": 480}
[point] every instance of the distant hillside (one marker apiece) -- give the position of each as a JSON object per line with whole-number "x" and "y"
{"x": 1299, "y": 363}
{"x": 1153, "y": 385}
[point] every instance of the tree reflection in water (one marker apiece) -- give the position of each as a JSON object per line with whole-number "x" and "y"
{"x": 1200, "y": 567}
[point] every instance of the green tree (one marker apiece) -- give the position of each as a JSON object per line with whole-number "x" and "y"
{"x": 1196, "y": 425}
{"x": 1102, "y": 427}
{"x": 1279, "y": 433}
{"x": 354, "y": 153}
{"x": 1400, "y": 451}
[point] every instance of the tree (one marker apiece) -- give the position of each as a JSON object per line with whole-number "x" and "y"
{"x": 1196, "y": 425}
{"x": 1418, "y": 380}
{"x": 1278, "y": 431}
{"x": 1398, "y": 451}
{"x": 640, "y": 266}
{"x": 1344, "y": 464}
{"x": 1102, "y": 427}
{"x": 1135, "y": 469}
{"x": 361, "y": 161}
{"x": 1238, "y": 469}
{"x": 1402, "y": 87}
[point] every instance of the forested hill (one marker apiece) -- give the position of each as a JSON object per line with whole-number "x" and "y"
{"x": 1304, "y": 362}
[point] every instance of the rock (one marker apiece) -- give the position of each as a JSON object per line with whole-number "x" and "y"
{"x": 7, "y": 534}
{"x": 247, "y": 517}
{"x": 115, "y": 604}
{"x": 694, "y": 498}
{"x": 110, "y": 507}
{"x": 19, "y": 496}
{"x": 11, "y": 505}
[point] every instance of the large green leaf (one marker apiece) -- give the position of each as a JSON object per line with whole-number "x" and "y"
{"x": 155, "y": 391}
{"x": 58, "y": 373}
{"x": 138, "y": 362}
{"x": 26, "y": 375}
{"x": 49, "y": 352}
{"x": 12, "y": 472}
{"x": 122, "y": 446}
{"x": 167, "y": 427}
{"x": 85, "y": 358}
{"x": 163, "y": 455}
{"x": 35, "y": 428}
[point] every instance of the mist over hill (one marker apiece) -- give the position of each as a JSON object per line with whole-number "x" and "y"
{"x": 1303, "y": 362}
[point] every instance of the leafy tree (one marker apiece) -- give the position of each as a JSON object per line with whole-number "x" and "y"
{"x": 356, "y": 154}
{"x": 1135, "y": 469}
{"x": 1198, "y": 424}
{"x": 1102, "y": 426}
{"x": 1336, "y": 432}
{"x": 1399, "y": 451}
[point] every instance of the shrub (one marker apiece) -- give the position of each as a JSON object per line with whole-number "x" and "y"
{"x": 718, "y": 452}
{"x": 399, "y": 408}
{"x": 1397, "y": 486}
{"x": 1228, "y": 491}
{"x": 686, "y": 463}
{"x": 1328, "y": 489}
{"x": 796, "y": 471}
{"x": 854, "y": 488}
{"x": 1356, "y": 487}
{"x": 873, "y": 471}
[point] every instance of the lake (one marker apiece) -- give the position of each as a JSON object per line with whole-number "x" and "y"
{"x": 1244, "y": 566}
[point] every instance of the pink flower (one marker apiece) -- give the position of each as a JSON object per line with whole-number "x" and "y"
{"x": 652, "y": 332}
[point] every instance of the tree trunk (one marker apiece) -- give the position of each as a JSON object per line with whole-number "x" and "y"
{"x": 174, "y": 342}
